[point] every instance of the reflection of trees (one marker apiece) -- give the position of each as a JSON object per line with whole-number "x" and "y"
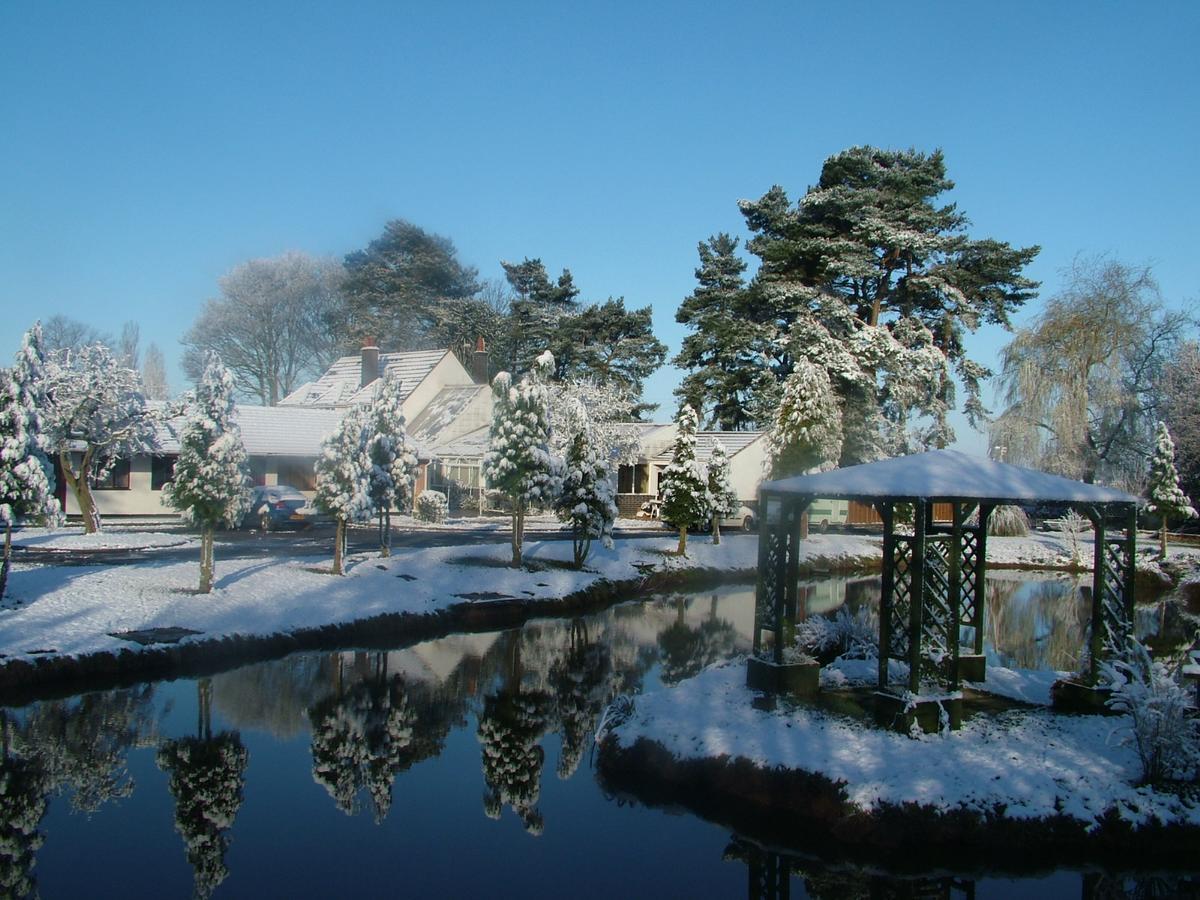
{"x": 583, "y": 683}
{"x": 24, "y": 788}
{"x": 207, "y": 774}
{"x": 510, "y": 725}
{"x": 686, "y": 650}
{"x": 369, "y": 731}
{"x": 1036, "y": 624}
{"x": 1102, "y": 886}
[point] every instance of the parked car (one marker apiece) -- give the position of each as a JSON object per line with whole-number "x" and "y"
{"x": 744, "y": 517}
{"x": 278, "y": 506}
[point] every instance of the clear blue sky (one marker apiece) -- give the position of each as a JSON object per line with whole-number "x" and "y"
{"x": 145, "y": 149}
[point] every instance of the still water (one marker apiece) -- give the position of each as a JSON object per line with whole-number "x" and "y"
{"x": 456, "y": 767}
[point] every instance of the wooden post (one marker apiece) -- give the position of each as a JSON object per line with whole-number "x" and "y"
{"x": 916, "y": 607}
{"x": 887, "y": 586}
{"x": 1096, "y": 648}
{"x": 985, "y": 512}
{"x": 1130, "y": 573}
{"x": 954, "y": 589}
{"x": 763, "y": 586}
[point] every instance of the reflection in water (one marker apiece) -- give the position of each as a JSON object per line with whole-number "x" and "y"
{"x": 476, "y": 710}
{"x": 207, "y": 774}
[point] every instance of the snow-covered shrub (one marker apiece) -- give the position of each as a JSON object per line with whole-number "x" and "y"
{"x": 1008, "y": 520}
{"x": 1164, "y": 496}
{"x": 432, "y": 506}
{"x": 1166, "y": 737}
{"x": 344, "y": 477}
{"x": 722, "y": 497}
{"x": 393, "y": 458}
{"x": 852, "y": 635}
{"x": 1073, "y": 526}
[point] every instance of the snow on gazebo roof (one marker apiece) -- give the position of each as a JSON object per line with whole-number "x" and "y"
{"x": 945, "y": 475}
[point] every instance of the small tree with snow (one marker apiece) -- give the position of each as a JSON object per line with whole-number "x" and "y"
{"x": 393, "y": 458}
{"x": 1166, "y": 499}
{"x": 586, "y": 502}
{"x": 344, "y": 478}
{"x": 211, "y": 483}
{"x": 95, "y": 403}
{"x": 26, "y": 476}
{"x": 519, "y": 462}
{"x": 807, "y": 431}
{"x": 721, "y": 494}
{"x": 685, "y": 502}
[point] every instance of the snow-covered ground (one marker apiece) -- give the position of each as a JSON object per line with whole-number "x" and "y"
{"x": 1022, "y": 764}
{"x": 111, "y": 538}
{"x": 73, "y": 610}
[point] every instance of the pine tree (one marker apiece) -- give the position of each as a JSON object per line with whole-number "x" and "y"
{"x": 723, "y": 371}
{"x": 807, "y": 431}
{"x": 26, "y": 476}
{"x": 519, "y": 462}
{"x": 721, "y": 494}
{"x": 586, "y": 501}
{"x": 1166, "y": 499}
{"x": 94, "y": 401}
{"x": 537, "y": 312}
{"x": 393, "y": 458}
{"x": 211, "y": 483}
{"x": 685, "y": 502}
{"x": 343, "y": 478}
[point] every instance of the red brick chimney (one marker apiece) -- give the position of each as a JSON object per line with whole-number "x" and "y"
{"x": 479, "y": 362}
{"x": 370, "y": 362}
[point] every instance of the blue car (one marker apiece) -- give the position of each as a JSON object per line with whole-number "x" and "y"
{"x": 278, "y": 506}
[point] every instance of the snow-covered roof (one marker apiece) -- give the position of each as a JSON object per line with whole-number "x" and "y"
{"x": 271, "y": 430}
{"x": 441, "y": 412}
{"x": 471, "y": 445}
{"x": 341, "y": 384}
{"x": 946, "y": 475}
{"x": 734, "y": 442}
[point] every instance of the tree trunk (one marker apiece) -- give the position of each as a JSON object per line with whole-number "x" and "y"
{"x": 518, "y": 535}
{"x": 78, "y": 482}
{"x": 7, "y": 558}
{"x": 339, "y": 540}
{"x": 1162, "y": 542}
{"x": 385, "y": 532}
{"x": 716, "y": 520}
{"x": 682, "y": 550}
{"x": 581, "y": 544}
{"x": 206, "y": 558}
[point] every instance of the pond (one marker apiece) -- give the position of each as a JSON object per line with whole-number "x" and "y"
{"x": 456, "y": 767}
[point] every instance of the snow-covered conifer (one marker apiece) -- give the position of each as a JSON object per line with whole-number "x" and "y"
{"x": 1166, "y": 499}
{"x": 26, "y": 476}
{"x": 94, "y": 401}
{"x": 586, "y": 502}
{"x": 807, "y": 432}
{"x": 685, "y": 502}
{"x": 721, "y": 495}
{"x": 211, "y": 483}
{"x": 344, "y": 477}
{"x": 614, "y": 438}
{"x": 393, "y": 458}
{"x": 519, "y": 462}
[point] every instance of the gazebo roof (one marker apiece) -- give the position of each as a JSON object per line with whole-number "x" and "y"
{"x": 945, "y": 475}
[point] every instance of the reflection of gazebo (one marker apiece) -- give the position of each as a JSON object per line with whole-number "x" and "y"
{"x": 933, "y": 578}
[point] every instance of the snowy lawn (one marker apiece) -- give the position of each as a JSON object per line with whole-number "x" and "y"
{"x": 111, "y": 538}
{"x": 71, "y": 610}
{"x": 1022, "y": 764}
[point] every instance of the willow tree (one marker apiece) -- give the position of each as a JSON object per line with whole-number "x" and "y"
{"x": 1081, "y": 381}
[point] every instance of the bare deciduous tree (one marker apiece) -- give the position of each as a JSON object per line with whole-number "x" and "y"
{"x": 276, "y": 322}
{"x": 1081, "y": 381}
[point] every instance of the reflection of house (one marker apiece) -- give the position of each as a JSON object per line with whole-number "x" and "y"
{"x": 448, "y": 410}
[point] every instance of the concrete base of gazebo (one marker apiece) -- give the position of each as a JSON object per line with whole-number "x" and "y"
{"x": 972, "y": 667}
{"x": 1071, "y": 696}
{"x": 930, "y": 714}
{"x": 797, "y": 679}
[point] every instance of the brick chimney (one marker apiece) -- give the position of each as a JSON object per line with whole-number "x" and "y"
{"x": 479, "y": 362}
{"x": 370, "y": 361}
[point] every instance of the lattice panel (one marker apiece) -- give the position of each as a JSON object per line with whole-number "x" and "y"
{"x": 968, "y": 607}
{"x": 937, "y": 619}
{"x": 902, "y": 597}
{"x": 1113, "y": 615}
{"x": 771, "y": 586}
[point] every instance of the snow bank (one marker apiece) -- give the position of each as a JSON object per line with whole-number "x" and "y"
{"x": 1019, "y": 765}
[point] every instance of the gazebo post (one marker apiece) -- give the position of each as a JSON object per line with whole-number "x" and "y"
{"x": 954, "y": 593}
{"x": 985, "y": 513}
{"x": 916, "y": 606}
{"x": 1096, "y": 649}
{"x": 887, "y": 585}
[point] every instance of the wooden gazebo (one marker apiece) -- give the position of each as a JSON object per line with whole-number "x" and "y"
{"x": 933, "y": 577}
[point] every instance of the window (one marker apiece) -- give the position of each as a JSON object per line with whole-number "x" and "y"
{"x": 297, "y": 472}
{"x": 117, "y": 478}
{"x": 162, "y": 470}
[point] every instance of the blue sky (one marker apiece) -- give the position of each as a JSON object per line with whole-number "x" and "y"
{"x": 145, "y": 149}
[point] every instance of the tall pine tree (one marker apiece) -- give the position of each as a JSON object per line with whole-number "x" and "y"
{"x": 684, "y": 489}
{"x": 586, "y": 501}
{"x": 1166, "y": 499}
{"x": 211, "y": 483}
{"x": 393, "y": 458}
{"x": 721, "y": 495}
{"x": 344, "y": 478}
{"x": 807, "y": 431}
